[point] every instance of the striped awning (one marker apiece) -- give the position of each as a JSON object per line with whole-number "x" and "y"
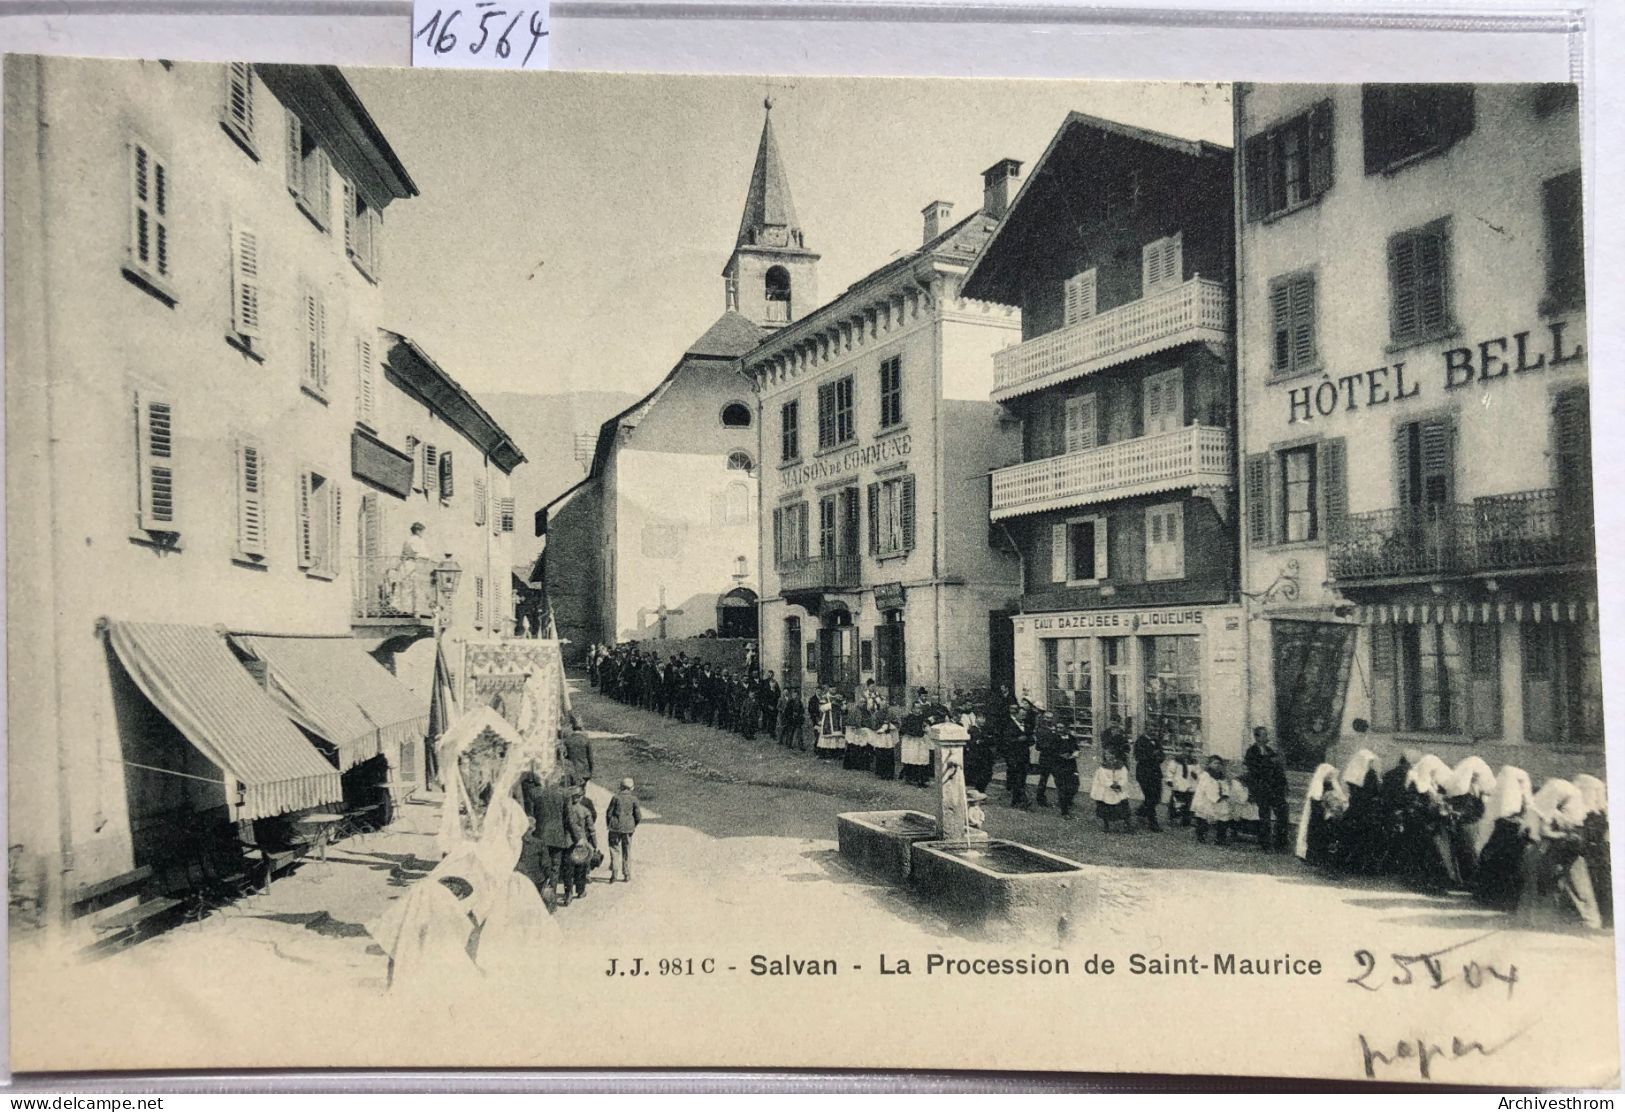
{"x": 191, "y": 675}
{"x": 1437, "y": 613}
{"x": 334, "y": 689}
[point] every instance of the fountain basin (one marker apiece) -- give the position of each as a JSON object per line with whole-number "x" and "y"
{"x": 1004, "y": 888}
{"x": 879, "y": 841}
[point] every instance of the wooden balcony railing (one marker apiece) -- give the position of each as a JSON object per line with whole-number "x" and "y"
{"x": 1197, "y": 455}
{"x": 394, "y": 588}
{"x": 1500, "y": 532}
{"x": 819, "y": 573}
{"x": 1198, "y": 309}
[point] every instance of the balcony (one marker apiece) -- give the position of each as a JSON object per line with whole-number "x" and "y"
{"x": 1197, "y": 310}
{"x": 1194, "y": 456}
{"x": 819, "y": 573}
{"x": 393, "y": 590}
{"x": 1529, "y": 529}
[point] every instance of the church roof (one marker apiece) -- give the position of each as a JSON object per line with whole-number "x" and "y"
{"x": 733, "y": 334}
{"x": 768, "y": 203}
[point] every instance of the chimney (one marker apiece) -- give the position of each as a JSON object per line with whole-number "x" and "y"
{"x": 936, "y": 214}
{"x": 999, "y": 182}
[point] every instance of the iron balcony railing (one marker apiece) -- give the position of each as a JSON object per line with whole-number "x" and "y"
{"x": 1500, "y": 532}
{"x": 394, "y": 587}
{"x": 819, "y": 573}
{"x": 1194, "y": 310}
{"x": 1194, "y": 456}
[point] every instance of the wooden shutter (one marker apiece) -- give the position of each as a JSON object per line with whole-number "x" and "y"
{"x": 366, "y": 381}
{"x": 1321, "y": 160}
{"x": 155, "y": 450}
{"x": 318, "y": 187}
{"x": 431, "y": 467}
{"x": 1079, "y": 296}
{"x": 240, "y": 98}
{"x": 1403, "y": 284}
{"x": 1257, "y": 487}
{"x": 908, "y": 513}
{"x": 508, "y": 513}
{"x": 479, "y": 600}
{"x": 293, "y": 152}
{"x": 1402, "y": 465}
{"x": 321, "y": 344}
{"x": 245, "y": 282}
{"x": 303, "y": 516}
{"x": 1162, "y": 263}
{"x": 1483, "y": 650}
{"x": 349, "y": 219}
{"x": 1433, "y": 278}
{"x": 874, "y": 518}
{"x": 1257, "y": 177}
{"x": 369, "y": 531}
{"x": 479, "y": 501}
{"x": 1332, "y": 480}
{"x": 1384, "y": 678}
{"x": 313, "y": 342}
{"x": 778, "y": 536}
{"x": 1057, "y": 553}
{"x": 1302, "y": 295}
{"x": 1571, "y": 444}
{"x": 1281, "y": 325}
{"x": 1164, "y": 545}
{"x": 149, "y": 210}
{"x": 1565, "y": 241}
{"x": 335, "y": 526}
{"x": 1438, "y": 443}
{"x": 250, "y": 499}
{"x": 448, "y": 485}
{"x": 416, "y": 449}
{"x": 803, "y": 534}
{"x": 1164, "y": 401}
{"x": 1082, "y": 423}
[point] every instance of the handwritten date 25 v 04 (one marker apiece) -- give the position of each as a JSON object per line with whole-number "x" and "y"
{"x": 1431, "y": 970}
{"x": 484, "y": 31}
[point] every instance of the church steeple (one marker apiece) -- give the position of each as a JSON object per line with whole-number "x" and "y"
{"x": 771, "y": 277}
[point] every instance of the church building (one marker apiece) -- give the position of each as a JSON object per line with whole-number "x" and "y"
{"x": 660, "y": 539}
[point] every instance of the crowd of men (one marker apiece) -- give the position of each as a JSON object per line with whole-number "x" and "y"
{"x": 743, "y": 701}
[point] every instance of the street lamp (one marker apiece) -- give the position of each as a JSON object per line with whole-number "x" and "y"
{"x": 446, "y": 575}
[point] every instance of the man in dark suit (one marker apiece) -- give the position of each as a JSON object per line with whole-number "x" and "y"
{"x": 547, "y": 802}
{"x": 578, "y": 751}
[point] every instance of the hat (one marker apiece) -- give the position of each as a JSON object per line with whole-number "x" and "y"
{"x": 974, "y": 796}
{"x": 626, "y": 783}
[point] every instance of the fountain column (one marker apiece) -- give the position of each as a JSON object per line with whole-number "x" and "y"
{"x": 948, "y": 743}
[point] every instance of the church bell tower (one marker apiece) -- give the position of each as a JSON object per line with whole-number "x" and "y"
{"x": 771, "y": 278}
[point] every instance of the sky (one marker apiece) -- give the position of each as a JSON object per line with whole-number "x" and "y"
{"x": 571, "y": 228}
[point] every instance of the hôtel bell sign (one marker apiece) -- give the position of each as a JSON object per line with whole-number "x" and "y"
{"x": 1489, "y": 361}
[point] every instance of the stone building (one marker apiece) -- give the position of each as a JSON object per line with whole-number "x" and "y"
{"x": 876, "y": 440}
{"x": 1117, "y": 252}
{"x": 1417, "y": 486}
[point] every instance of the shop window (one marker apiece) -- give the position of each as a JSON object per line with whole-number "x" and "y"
{"x": 1291, "y": 164}
{"x": 1070, "y": 684}
{"x": 1402, "y": 123}
{"x": 1419, "y": 284}
{"x": 1078, "y": 551}
{"x": 1173, "y": 688}
{"x": 1565, "y": 244}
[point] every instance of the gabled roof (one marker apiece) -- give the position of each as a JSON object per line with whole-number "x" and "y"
{"x": 731, "y": 336}
{"x": 325, "y": 102}
{"x": 413, "y": 367}
{"x": 983, "y": 279}
{"x": 767, "y": 202}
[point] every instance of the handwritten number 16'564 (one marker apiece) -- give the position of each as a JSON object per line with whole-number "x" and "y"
{"x": 438, "y": 35}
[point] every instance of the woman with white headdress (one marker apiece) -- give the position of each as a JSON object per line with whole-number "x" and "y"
{"x": 1423, "y": 852}
{"x": 1467, "y": 793}
{"x": 1594, "y": 835}
{"x": 1361, "y": 830}
{"x": 1503, "y": 862}
{"x": 1323, "y": 807}
{"x": 1558, "y": 882}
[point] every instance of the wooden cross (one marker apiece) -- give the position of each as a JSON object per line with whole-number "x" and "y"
{"x": 661, "y": 612}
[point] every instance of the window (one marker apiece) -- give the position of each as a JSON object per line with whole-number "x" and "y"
{"x": 425, "y": 471}
{"x": 366, "y": 382}
{"x": 319, "y": 524}
{"x": 448, "y": 485}
{"x": 1162, "y": 264}
{"x": 1082, "y": 423}
{"x": 1071, "y": 682}
{"x": 1402, "y": 123}
{"x": 1296, "y": 494}
{"x": 741, "y": 461}
{"x": 1562, "y": 683}
{"x": 1165, "y": 542}
{"x": 1290, "y": 164}
{"x": 313, "y": 375}
{"x": 1565, "y": 244}
{"x": 790, "y": 432}
{"x": 149, "y": 248}
{"x": 1436, "y": 678}
{"x": 307, "y": 173}
{"x": 250, "y": 501}
{"x": 1298, "y": 517}
{"x": 789, "y": 533}
{"x": 835, "y": 424}
{"x": 736, "y": 415}
{"x": 1424, "y": 465}
{"x": 1164, "y": 394}
{"x": 891, "y": 392}
{"x": 1292, "y": 321}
{"x": 891, "y": 516}
{"x": 1078, "y": 551}
{"x": 1078, "y": 297}
{"x": 362, "y": 233}
{"x": 156, "y": 487}
{"x": 838, "y": 523}
{"x": 506, "y": 513}
{"x": 1173, "y": 688}
{"x": 245, "y": 288}
{"x": 237, "y": 115}
{"x": 1419, "y": 286}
